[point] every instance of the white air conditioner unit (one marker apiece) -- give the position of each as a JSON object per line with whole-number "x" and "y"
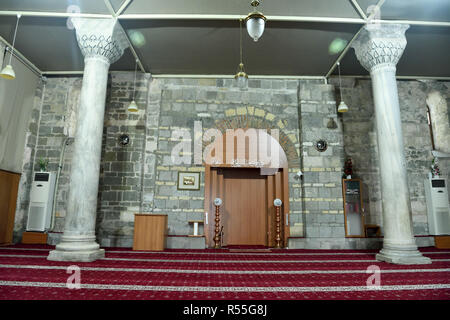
{"x": 41, "y": 201}
{"x": 436, "y": 194}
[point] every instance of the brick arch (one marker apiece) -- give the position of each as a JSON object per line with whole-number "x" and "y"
{"x": 256, "y": 118}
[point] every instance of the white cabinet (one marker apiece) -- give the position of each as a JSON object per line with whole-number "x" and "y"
{"x": 41, "y": 201}
{"x": 436, "y": 193}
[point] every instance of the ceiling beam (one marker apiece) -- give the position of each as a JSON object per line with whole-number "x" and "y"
{"x": 227, "y": 76}
{"x": 20, "y": 56}
{"x": 358, "y": 9}
{"x": 231, "y": 76}
{"x": 343, "y": 53}
{"x": 55, "y": 14}
{"x": 133, "y": 51}
{"x": 349, "y": 44}
{"x": 78, "y": 15}
{"x": 123, "y": 7}
{"x": 177, "y": 16}
{"x": 367, "y": 77}
{"x": 110, "y": 8}
{"x": 197, "y": 76}
{"x": 415, "y": 23}
{"x": 216, "y": 17}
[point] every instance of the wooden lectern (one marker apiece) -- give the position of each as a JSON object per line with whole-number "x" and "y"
{"x": 150, "y": 231}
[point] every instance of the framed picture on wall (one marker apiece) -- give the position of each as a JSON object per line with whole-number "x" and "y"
{"x": 188, "y": 180}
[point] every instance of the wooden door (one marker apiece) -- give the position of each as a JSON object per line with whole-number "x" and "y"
{"x": 9, "y": 185}
{"x": 256, "y": 195}
{"x": 244, "y": 210}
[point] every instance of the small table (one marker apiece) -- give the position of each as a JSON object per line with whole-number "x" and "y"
{"x": 196, "y": 223}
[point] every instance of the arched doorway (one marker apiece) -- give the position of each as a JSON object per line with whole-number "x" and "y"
{"x": 248, "y": 170}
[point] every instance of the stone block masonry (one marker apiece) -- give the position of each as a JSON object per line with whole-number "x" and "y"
{"x": 51, "y": 126}
{"x": 322, "y": 170}
{"x": 31, "y": 141}
{"x": 123, "y": 175}
{"x": 216, "y": 103}
{"x": 141, "y": 177}
{"x": 360, "y": 142}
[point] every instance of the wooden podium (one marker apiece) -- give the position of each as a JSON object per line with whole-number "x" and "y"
{"x": 34, "y": 237}
{"x": 150, "y": 231}
{"x": 442, "y": 242}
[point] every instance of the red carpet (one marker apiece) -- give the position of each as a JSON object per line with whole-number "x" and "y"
{"x": 234, "y": 274}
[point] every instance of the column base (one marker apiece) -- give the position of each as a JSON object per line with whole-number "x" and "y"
{"x": 79, "y": 256}
{"x": 402, "y": 257}
{"x": 77, "y": 248}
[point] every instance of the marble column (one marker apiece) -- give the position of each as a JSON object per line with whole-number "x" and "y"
{"x": 378, "y": 49}
{"x": 102, "y": 42}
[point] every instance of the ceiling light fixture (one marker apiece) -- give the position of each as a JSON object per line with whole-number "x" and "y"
{"x": 132, "y": 107}
{"x": 255, "y": 22}
{"x": 8, "y": 71}
{"x": 241, "y": 77}
{"x": 342, "y": 106}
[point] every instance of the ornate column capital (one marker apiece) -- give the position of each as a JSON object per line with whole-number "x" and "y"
{"x": 100, "y": 38}
{"x": 380, "y": 44}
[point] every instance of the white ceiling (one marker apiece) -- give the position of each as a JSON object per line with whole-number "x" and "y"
{"x": 201, "y": 37}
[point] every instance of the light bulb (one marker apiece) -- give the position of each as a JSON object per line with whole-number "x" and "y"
{"x": 255, "y": 26}
{"x": 342, "y": 107}
{"x": 8, "y": 72}
{"x": 242, "y": 82}
{"x": 132, "y": 107}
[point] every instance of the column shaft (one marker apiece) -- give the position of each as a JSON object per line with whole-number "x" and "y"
{"x": 378, "y": 48}
{"x": 102, "y": 42}
{"x": 78, "y": 241}
{"x": 394, "y": 183}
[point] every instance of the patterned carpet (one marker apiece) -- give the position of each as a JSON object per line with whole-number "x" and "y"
{"x": 237, "y": 274}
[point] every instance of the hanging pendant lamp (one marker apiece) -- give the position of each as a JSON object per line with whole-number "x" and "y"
{"x": 240, "y": 76}
{"x": 132, "y": 107}
{"x": 8, "y": 71}
{"x": 342, "y": 106}
{"x": 255, "y": 22}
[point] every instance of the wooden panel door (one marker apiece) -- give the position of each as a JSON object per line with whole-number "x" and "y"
{"x": 244, "y": 211}
{"x": 9, "y": 185}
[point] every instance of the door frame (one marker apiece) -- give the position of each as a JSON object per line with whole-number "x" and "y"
{"x": 281, "y": 191}
{"x": 278, "y": 183}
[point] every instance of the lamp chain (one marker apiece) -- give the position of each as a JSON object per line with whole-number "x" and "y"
{"x": 340, "y": 83}
{"x": 240, "y": 34}
{"x": 134, "y": 85}
{"x": 14, "y": 40}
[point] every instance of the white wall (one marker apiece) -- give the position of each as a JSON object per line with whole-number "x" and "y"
{"x": 16, "y": 102}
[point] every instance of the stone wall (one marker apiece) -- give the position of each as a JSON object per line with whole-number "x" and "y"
{"x": 360, "y": 143}
{"x": 321, "y": 184}
{"x": 122, "y": 167}
{"x": 141, "y": 177}
{"x": 29, "y": 156}
{"x": 217, "y": 104}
